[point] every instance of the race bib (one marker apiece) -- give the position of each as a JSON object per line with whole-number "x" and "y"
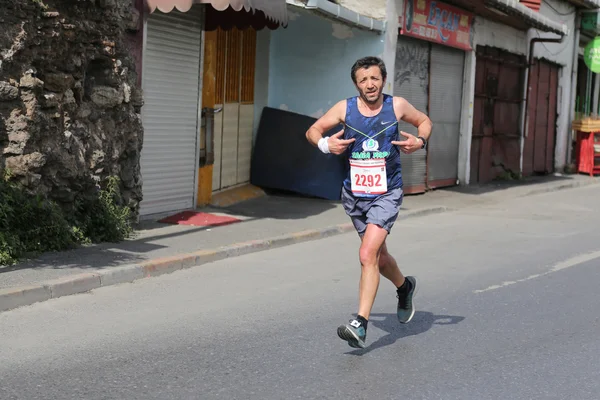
{"x": 368, "y": 176}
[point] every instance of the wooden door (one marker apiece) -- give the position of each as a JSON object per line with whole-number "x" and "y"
{"x": 538, "y": 151}
{"x": 234, "y": 96}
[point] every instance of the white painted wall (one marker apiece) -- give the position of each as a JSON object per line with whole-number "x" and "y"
{"x": 466, "y": 120}
{"x": 560, "y": 53}
{"x": 393, "y": 10}
{"x": 370, "y": 8}
{"x": 309, "y": 76}
{"x": 490, "y": 33}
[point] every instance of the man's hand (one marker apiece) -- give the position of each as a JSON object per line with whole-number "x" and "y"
{"x": 410, "y": 144}
{"x": 337, "y": 145}
{"x": 408, "y": 113}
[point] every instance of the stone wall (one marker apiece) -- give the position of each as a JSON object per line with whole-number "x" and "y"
{"x": 69, "y": 97}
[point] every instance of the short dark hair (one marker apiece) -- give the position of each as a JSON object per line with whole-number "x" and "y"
{"x": 367, "y": 62}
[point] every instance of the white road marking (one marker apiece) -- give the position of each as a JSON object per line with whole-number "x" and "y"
{"x": 571, "y": 262}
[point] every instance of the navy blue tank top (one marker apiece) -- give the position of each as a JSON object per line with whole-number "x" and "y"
{"x": 373, "y": 140}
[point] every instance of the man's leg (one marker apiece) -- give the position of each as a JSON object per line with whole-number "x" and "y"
{"x": 372, "y": 238}
{"x": 405, "y": 287}
{"x": 389, "y": 268}
{"x": 369, "y": 254}
{"x": 355, "y": 332}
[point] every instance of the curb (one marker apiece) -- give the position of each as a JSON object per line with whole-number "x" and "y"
{"x": 563, "y": 186}
{"x": 15, "y": 297}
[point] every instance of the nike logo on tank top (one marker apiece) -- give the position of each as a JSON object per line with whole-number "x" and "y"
{"x": 375, "y": 166}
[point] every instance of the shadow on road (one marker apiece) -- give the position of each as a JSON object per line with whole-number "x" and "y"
{"x": 421, "y": 323}
{"x": 532, "y": 182}
{"x": 280, "y": 205}
{"x": 151, "y": 235}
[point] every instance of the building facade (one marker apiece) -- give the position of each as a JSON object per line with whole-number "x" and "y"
{"x": 231, "y": 93}
{"x": 507, "y": 106}
{"x": 198, "y": 77}
{"x": 305, "y": 70}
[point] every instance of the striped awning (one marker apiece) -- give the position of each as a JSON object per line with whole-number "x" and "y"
{"x": 275, "y": 10}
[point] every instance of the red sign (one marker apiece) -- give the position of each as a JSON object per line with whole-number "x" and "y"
{"x": 437, "y": 22}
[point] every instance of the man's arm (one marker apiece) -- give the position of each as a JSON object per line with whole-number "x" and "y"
{"x": 413, "y": 116}
{"x": 332, "y": 118}
{"x": 407, "y": 112}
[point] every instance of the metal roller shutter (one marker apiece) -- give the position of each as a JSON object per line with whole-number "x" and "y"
{"x": 446, "y": 80}
{"x": 170, "y": 113}
{"x": 411, "y": 82}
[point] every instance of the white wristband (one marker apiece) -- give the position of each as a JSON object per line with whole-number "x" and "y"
{"x": 324, "y": 145}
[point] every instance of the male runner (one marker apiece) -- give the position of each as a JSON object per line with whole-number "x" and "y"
{"x": 372, "y": 190}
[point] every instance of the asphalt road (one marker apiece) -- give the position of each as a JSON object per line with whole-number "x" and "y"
{"x": 507, "y": 309}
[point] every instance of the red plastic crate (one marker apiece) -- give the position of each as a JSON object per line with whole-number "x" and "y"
{"x": 588, "y": 152}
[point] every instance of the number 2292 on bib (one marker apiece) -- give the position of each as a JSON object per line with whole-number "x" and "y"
{"x": 368, "y": 176}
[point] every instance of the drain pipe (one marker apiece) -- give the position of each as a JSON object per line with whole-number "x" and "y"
{"x": 574, "y": 73}
{"x": 525, "y": 127}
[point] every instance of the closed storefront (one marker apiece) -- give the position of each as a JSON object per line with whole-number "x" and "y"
{"x": 446, "y": 87}
{"x": 171, "y": 82}
{"x": 198, "y": 72}
{"x": 411, "y": 81}
{"x": 496, "y": 137}
{"x": 429, "y": 71}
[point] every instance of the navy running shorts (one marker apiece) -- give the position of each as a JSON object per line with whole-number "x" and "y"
{"x": 382, "y": 210}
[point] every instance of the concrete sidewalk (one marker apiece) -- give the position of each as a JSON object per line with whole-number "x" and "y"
{"x": 267, "y": 222}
